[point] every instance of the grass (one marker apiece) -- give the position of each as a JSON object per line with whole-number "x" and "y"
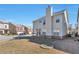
{"x": 24, "y": 47}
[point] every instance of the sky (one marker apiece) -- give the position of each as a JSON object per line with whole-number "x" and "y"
{"x": 26, "y": 13}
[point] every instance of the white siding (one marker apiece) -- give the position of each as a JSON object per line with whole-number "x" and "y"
{"x": 57, "y": 27}
{"x": 51, "y": 28}
{"x": 48, "y": 22}
{"x": 4, "y": 26}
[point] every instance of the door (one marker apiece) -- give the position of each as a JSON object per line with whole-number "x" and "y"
{"x": 1, "y": 32}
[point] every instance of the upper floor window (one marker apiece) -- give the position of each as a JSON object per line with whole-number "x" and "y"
{"x": 57, "y": 21}
{"x": 5, "y": 26}
{"x": 44, "y": 22}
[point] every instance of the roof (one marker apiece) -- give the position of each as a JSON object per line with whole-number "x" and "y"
{"x": 56, "y": 13}
{"x": 59, "y": 12}
{"x": 3, "y": 21}
{"x": 39, "y": 19}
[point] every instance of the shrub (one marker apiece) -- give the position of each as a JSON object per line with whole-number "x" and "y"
{"x": 69, "y": 35}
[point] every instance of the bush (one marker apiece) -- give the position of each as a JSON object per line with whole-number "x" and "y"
{"x": 76, "y": 34}
{"x": 69, "y": 35}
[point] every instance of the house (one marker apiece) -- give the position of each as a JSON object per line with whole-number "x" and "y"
{"x": 52, "y": 24}
{"x": 29, "y": 30}
{"x": 21, "y": 29}
{"x": 7, "y": 27}
{"x": 78, "y": 22}
{"x": 12, "y": 28}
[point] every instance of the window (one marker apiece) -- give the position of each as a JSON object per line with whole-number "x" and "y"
{"x": 44, "y": 22}
{"x": 5, "y": 26}
{"x": 43, "y": 33}
{"x": 57, "y": 21}
{"x": 56, "y": 33}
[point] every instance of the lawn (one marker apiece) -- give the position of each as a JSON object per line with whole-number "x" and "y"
{"x": 24, "y": 47}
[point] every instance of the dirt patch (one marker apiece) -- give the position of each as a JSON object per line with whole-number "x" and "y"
{"x": 24, "y": 47}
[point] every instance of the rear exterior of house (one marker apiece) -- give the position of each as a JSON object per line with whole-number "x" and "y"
{"x": 60, "y": 24}
{"x": 52, "y": 25}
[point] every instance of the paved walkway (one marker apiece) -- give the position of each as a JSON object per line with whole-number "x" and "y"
{"x": 69, "y": 46}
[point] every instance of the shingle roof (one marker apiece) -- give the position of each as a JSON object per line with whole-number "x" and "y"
{"x": 56, "y": 13}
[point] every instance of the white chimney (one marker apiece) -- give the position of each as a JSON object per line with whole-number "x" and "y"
{"x": 49, "y": 10}
{"x": 48, "y": 21}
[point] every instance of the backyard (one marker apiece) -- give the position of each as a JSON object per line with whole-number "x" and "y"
{"x": 31, "y": 45}
{"x": 24, "y": 47}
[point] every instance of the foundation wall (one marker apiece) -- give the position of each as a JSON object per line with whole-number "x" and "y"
{"x": 46, "y": 39}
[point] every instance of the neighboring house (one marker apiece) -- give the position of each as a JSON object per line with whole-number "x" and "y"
{"x": 12, "y": 29}
{"x": 30, "y": 30}
{"x": 21, "y": 29}
{"x": 74, "y": 31}
{"x": 52, "y": 25}
{"x": 7, "y": 28}
{"x": 4, "y": 27}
